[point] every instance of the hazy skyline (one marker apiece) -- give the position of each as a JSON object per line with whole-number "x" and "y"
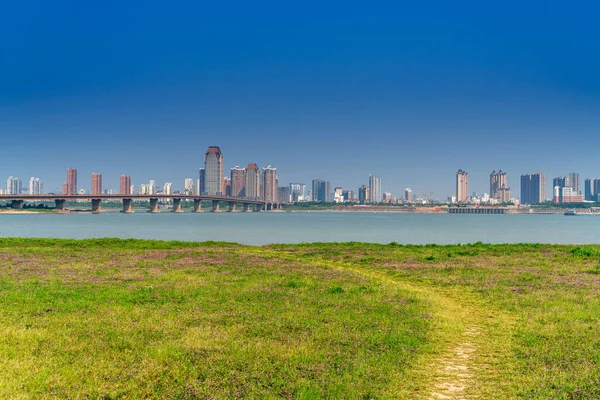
{"x": 407, "y": 92}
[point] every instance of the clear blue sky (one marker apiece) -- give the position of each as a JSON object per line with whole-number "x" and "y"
{"x": 408, "y": 91}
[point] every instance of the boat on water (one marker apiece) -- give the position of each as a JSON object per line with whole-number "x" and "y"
{"x": 571, "y": 212}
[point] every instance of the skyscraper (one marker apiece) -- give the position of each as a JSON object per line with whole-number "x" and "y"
{"x": 298, "y": 191}
{"x": 168, "y": 188}
{"x": 363, "y": 194}
{"x": 14, "y": 185}
{"x": 213, "y": 169}
{"x": 533, "y": 188}
{"x": 283, "y": 194}
{"x": 596, "y": 190}
{"x": 202, "y": 181}
{"x": 374, "y": 189}
{"x": 96, "y": 183}
{"x": 252, "y": 186}
{"x": 462, "y": 186}
{"x": 574, "y": 183}
{"x": 152, "y": 187}
{"x": 125, "y": 184}
{"x": 71, "y": 181}
{"x": 36, "y": 186}
{"x": 321, "y": 190}
{"x": 189, "y": 187}
{"x": 269, "y": 187}
{"x": 238, "y": 181}
{"x": 408, "y": 194}
{"x": 227, "y": 186}
{"x": 589, "y": 190}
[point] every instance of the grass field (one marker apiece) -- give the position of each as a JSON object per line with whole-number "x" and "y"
{"x": 142, "y": 319}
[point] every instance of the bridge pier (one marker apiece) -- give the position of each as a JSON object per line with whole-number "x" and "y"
{"x": 154, "y": 205}
{"x": 96, "y": 209}
{"x": 16, "y": 204}
{"x": 59, "y": 204}
{"x": 259, "y": 207}
{"x": 197, "y": 205}
{"x": 127, "y": 206}
{"x": 269, "y": 206}
{"x": 247, "y": 207}
{"x": 177, "y": 206}
{"x": 215, "y": 206}
{"x": 231, "y": 206}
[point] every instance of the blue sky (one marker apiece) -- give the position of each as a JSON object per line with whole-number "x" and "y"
{"x": 408, "y": 91}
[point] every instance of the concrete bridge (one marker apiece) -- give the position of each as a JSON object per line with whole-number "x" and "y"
{"x": 127, "y": 199}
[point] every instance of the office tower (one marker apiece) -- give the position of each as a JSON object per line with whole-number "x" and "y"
{"x": 363, "y": 195}
{"x": 284, "y": 194}
{"x": 125, "y": 186}
{"x": 408, "y": 194}
{"x": 533, "y": 188}
{"x": 36, "y": 186}
{"x": 14, "y": 185}
{"x": 596, "y": 190}
{"x": 71, "y": 181}
{"x": 238, "y": 181}
{"x": 227, "y": 186}
{"x": 321, "y": 190}
{"x": 573, "y": 183}
{"x": 202, "y": 181}
{"x": 374, "y": 189}
{"x": 96, "y": 183}
{"x": 462, "y": 186}
{"x": 189, "y": 187}
{"x": 298, "y": 191}
{"x": 252, "y": 185}
{"x": 589, "y": 190}
{"x": 269, "y": 187}
{"x": 168, "y": 188}
{"x": 213, "y": 171}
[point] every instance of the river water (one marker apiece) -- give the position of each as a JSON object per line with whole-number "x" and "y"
{"x": 278, "y": 227}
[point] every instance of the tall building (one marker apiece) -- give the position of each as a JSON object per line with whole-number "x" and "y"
{"x": 499, "y": 189}
{"x": 227, "y": 186}
{"x": 202, "y": 181}
{"x": 168, "y": 188}
{"x": 189, "y": 188}
{"x": 321, "y": 190}
{"x": 408, "y": 194}
{"x": 596, "y": 190}
{"x": 152, "y": 187}
{"x": 589, "y": 190}
{"x": 533, "y": 188}
{"x": 65, "y": 188}
{"x": 36, "y": 185}
{"x": 462, "y": 186}
{"x": 284, "y": 194}
{"x": 238, "y": 181}
{"x": 363, "y": 194}
{"x": 298, "y": 191}
{"x": 71, "y": 181}
{"x": 125, "y": 184}
{"x": 269, "y": 186}
{"x": 213, "y": 170}
{"x": 374, "y": 189}
{"x": 348, "y": 195}
{"x": 14, "y": 185}
{"x": 96, "y": 183}
{"x": 560, "y": 181}
{"x": 338, "y": 194}
{"x": 573, "y": 183}
{"x": 252, "y": 186}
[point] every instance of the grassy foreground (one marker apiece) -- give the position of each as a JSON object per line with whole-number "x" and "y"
{"x": 142, "y": 319}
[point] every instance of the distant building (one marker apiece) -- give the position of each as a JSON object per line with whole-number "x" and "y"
{"x": 14, "y": 185}
{"x": 189, "y": 188}
{"x": 573, "y": 183}
{"x": 202, "y": 181}
{"x": 213, "y": 170}
{"x": 363, "y": 194}
{"x": 387, "y": 197}
{"x": 238, "y": 182}
{"x": 462, "y": 186}
{"x": 168, "y": 188}
{"x": 374, "y": 189}
{"x": 596, "y": 190}
{"x": 348, "y": 195}
{"x": 566, "y": 195}
{"x": 589, "y": 190}
{"x": 533, "y": 188}
{"x": 125, "y": 186}
{"x": 499, "y": 189}
{"x": 252, "y": 186}
{"x": 36, "y": 186}
{"x": 284, "y": 194}
{"x": 321, "y": 190}
{"x": 71, "y": 181}
{"x": 227, "y": 186}
{"x": 338, "y": 195}
{"x": 298, "y": 192}
{"x": 152, "y": 187}
{"x": 96, "y": 183}
{"x": 269, "y": 186}
{"x": 408, "y": 195}
{"x": 65, "y": 188}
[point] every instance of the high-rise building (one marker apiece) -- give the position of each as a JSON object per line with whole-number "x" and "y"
{"x": 560, "y": 181}
{"x": 462, "y": 186}
{"x": 589, "y": 190}
{"x": 227, "y": 186}
{"x": 189, "y": 187}
{"x": 202, "y": 181}
{"x": 252, "y": 186}
{"x": 125, "y": 186}
{"x": 152, "y": 187}
{"x": 374, "y": 189}
{"x": 36, "y": 185}
{"x": 65, "y": 188}
{"x": 298, "y": 191}
{"x": 348, "y": 195}
{"x": 168, "y": 188}
{"x": 269, "y": 186}
{"x": 533, "y": 188}
{"x": 338, "y": 194}
{"x": 213, "y": 170}
{"x": 71, "y": 181}
{"x": 96, "y": 183}
{"x": 321, "y": 190}
{"x": 596, "y": 190}
{"x": 408, "y": 194}
{"x": 14, "y": 185}
{"x": 284, "y": 194}
{"x": 573, "y": 183}
{"x": 238, "y": 181}
{"x": 499, "y": 189}
{"x": 363, "y": 194}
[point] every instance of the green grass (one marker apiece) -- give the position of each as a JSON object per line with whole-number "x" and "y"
{"x": 109, "y": 318}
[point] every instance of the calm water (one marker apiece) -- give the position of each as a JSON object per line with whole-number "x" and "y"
{"x": 263, "y": 228}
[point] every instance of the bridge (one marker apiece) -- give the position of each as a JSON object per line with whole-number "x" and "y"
{"x": 127, "y": 199}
